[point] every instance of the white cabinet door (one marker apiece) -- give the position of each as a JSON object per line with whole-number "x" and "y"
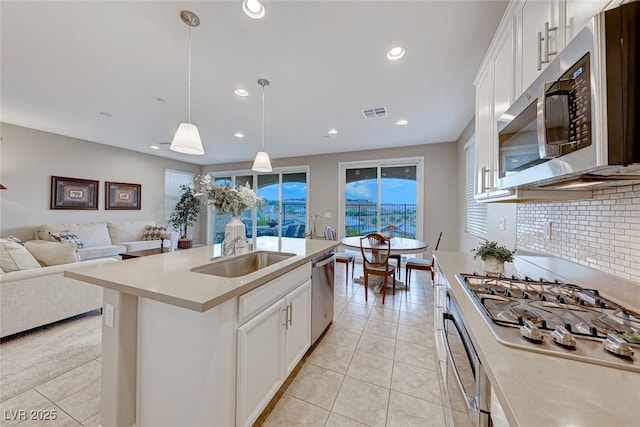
{"x": 539, "y": 39}
{"x": 503, "y": 92}
{"x": 298, "y": 326}
{"x": 484, "y": 133}
{"x": 579, "y": 12}
{"x": 260, "y": 349}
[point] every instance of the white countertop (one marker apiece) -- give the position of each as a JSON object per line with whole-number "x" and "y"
{"x": 541, "y": 390}
{"x": 167, "y": 277}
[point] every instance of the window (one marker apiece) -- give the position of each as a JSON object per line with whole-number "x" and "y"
{"x": 476, "y": 213}
{"x": 284, "y": 210}
{"x": 173, "y": 180}
{"x": 382, "y": 196}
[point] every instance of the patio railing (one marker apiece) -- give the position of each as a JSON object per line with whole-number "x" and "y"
{"x": 362, "y": 218}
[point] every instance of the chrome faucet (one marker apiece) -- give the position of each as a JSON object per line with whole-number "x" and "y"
{"x": 227, "y": 248}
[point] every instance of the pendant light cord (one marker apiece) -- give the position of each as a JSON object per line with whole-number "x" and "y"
{"x": 189, "y": 78}
{"x": 262, "y": 117}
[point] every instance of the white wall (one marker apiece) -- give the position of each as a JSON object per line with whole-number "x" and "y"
{"x": 29, "y": 158}
{"x": 440, "y": 172}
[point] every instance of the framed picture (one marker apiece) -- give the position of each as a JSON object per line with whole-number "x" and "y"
{"x": 119, "y": 195}
{"x": 73, "y": 193}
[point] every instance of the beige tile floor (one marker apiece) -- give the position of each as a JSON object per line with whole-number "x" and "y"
{"x": 375, "y": 366}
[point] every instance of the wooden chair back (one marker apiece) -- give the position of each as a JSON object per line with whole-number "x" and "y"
{"x": 377, "y": 254}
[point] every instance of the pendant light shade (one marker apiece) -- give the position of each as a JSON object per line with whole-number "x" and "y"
{"x": 262, "y": 162}
{"x": 187, "y": 139}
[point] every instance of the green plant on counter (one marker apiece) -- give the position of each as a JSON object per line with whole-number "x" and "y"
{"x": 488, "y": 250}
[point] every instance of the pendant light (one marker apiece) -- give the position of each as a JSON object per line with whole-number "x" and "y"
{"x": 262, "y": 162}
{"x": 187, "y": 139}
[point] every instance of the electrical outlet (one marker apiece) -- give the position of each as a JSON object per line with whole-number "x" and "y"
{"x": 108, "y": 315}
{"x": 327, "y": 214}
{"x": 503, "y": 224}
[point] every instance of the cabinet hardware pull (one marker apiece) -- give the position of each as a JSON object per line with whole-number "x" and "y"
{"x": 286, "y": 318}
{"x": 539, "y": 50}
{"x": 486, "y": 172}
{"x": 290, "y": 309}
{"x": 547, "y": 30}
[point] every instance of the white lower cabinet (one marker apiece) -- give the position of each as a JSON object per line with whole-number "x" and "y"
{"x": 269, "y": 346}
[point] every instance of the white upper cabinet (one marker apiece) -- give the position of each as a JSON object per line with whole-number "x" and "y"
{"x": 542, "y": 32}
{"x": 484, "y": 133}
{"x": 579, "y": 12}
{"x": 494, "y": 94}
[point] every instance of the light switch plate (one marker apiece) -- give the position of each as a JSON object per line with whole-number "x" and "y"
{"x": 503, "y": 224}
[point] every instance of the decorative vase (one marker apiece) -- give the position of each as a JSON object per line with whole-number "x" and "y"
{"x": 493, "y": 266}
{"x": 234, "y": 228}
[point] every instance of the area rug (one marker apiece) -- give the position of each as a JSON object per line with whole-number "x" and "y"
{"x": 37, "y": 357}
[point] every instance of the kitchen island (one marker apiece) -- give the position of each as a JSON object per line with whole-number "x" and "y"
{"x": 536, "y": 389}
{"x": 175, "y": 341}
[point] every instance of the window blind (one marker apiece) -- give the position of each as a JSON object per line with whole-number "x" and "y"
{"x": 476, "y": 213}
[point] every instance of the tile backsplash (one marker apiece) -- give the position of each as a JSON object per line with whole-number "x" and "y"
{"x": 602, "y": 232}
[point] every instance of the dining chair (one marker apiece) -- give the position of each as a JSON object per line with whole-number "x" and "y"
{"x": 420, "y": 264}
{"x": 346, "y": 259}
{"x": 391, "y": 231}
{"x": 375, "y": 260}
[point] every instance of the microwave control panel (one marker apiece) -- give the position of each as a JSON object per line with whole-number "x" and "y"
{"x": 568, "y": 110}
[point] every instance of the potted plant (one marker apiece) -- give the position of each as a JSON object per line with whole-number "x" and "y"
{"x": 493, "y": 256}
{"x": 185, "y": 215}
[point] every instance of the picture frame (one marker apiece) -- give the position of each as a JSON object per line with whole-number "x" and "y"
{"x": 74, "y": 193}
{"x": 124, "y": 196}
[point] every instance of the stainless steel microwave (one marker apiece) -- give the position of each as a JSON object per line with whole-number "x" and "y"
{"x": 581, "y": 116}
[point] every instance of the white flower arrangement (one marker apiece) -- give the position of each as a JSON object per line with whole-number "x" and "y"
{"x": 226, "y": 198}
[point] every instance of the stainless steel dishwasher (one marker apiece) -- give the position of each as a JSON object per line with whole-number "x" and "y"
{"x": 323, "y": 268}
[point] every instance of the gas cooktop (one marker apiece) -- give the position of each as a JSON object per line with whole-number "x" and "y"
{"x": 557, "y": 318}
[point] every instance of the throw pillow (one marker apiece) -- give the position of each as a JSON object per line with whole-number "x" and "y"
{"x": 53, "y": 253}
{"x": 67, "y": 237}
{"x": 13, "y": 239}
{"x": 14, "y": 257}
{"x": 153, "y": 232}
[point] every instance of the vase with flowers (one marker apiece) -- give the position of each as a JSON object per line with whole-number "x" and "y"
{"x": 228, "y": 199}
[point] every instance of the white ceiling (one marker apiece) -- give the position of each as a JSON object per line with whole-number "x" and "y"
{"x": 65, "y": 62}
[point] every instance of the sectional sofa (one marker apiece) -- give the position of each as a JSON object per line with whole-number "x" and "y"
{"x": 109, "y": 238}
{"x": 33, "y": 289}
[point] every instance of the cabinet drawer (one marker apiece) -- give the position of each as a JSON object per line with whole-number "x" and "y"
{"x": 253, "y": 302}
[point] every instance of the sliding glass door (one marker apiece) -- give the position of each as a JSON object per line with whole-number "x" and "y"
{"x": 283, "y": 211}
{"x": 383, "y": 197}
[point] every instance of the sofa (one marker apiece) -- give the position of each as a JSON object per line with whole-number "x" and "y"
{"x": 33, "y": 293}
{"x": 109, "y": 238}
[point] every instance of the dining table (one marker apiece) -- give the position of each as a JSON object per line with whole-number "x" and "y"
{"x": 398, "y": 246}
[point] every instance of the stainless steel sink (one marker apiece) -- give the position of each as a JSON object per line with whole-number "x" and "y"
{"x": 241, "y": 265}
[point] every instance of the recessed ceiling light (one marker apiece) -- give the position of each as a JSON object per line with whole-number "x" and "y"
{"x": 104, "y": 113}
{"x": 332, "y": 132}
{"x": 253, "y": 8}
{"x": 395, "y": 53}
{"x": 402, "y": 122}
{"x": 239, "y": 135}
{"x": 241, "y": 92}
{"x": 154, "y": 147}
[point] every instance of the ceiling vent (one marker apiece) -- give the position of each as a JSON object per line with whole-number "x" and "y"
{"x": 374, "y": 113}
